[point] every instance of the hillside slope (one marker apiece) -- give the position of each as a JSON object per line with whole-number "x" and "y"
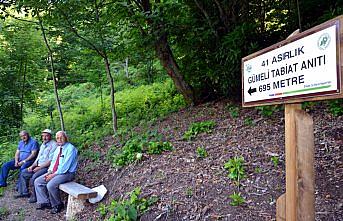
{"x": 192, "y": 188}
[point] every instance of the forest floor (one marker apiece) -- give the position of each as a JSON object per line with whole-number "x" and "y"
{"x": 192, "y": 188}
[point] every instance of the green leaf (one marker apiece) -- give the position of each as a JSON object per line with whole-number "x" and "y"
{"x": 132, "y": 212}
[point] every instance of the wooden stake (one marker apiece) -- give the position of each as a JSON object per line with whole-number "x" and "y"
{"x": 291, "y": 161}
{"x": 305, "y": 164}
{"x": 281, "y": 208}
{"x": 298, "y": 204}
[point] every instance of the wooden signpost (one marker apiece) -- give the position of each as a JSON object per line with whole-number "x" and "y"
{"x": 305, "y": 67}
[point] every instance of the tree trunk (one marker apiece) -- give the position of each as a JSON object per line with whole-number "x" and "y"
{"x": 150, "y": 65}
{"x": 52, "y": 72}
{"x": 22, "y": 90}
{"x": 111, "y": 83}
{"x": 166, "y": 56}
{"x": 168, "y": 61}
{"x": 127, "y": 67}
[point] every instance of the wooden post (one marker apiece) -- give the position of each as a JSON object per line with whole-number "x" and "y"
{"x": 298, "y": 202}
{"x": 291, "y": 161}
{"x": 305, "y": 164}
{"x": 281, "y": 208}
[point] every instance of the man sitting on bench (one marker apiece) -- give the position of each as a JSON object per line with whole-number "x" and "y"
{"x": 38, "y": 168}
{"x": 62, "y": 169}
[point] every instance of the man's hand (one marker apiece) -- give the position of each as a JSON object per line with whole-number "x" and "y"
{"x": 20, "y": 163}
{"x": 49, "y": 176}
{"x": 37, "y": 168}
{"x": 30, "y": 168}
{"x": 16, "y": 163}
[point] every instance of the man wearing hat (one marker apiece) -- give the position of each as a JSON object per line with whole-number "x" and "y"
{"x": 39, "y": 167}
{"x": 23, "y": 158}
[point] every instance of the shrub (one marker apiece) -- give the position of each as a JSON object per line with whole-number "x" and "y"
{"x": 235, "y": 168}
{"x": 236, "y": 199}
{"x": 197, "y": 128}
{"x": 268, "y": 111}
{"x": 275, "y": 160}
{"x": 135, "y": 146}
{"x": 233, "y": 110}
{"x": 201, "y": 152}
{"x": 157, "y": 147}
{"x": 336, "y": 107}
{"x": 127, "y": 209}
{"x": 88, "y": 118}
{"x": 248, "y": 121}
{"x": 7, "y": 151}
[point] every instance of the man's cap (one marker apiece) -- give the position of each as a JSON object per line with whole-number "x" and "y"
{"x": 47, "y": 131}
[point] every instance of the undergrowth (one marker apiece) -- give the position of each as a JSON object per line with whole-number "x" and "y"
{"x": 137, "y": 145}
{"x": 197, "y": 128}
{"x": 87, "y": 116}
{"x": 128, "y": 208}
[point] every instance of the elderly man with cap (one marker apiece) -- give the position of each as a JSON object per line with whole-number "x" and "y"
{"x": 38, "y": 168}
{"x": 24, "y": 156}
{"x": 62, "y": 169}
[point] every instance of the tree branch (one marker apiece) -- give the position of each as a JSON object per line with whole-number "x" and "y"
{"x": 207, "y": 17}
{"x": 72, "y": 29}
{"x": 17, "y": 18}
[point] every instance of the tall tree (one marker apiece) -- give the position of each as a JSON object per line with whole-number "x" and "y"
{"x": 89, "y": 22}
{"x": 145, "y": 12}
{"x": 20, "y": 74}
{"x": 52, "y": 66}
{"x": 7, "y": 11}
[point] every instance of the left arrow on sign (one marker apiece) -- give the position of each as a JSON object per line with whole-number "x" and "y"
{"x": 251, "y": 90}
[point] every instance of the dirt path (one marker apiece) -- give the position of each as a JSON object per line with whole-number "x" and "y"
{"x": 21, "y": 210}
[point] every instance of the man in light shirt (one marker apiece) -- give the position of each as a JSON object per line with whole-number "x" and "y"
{"x": 38, "y": 168}
{"x": 62, "y": 169}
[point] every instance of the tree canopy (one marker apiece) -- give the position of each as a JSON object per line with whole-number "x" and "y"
{"x": 198, "y": 44}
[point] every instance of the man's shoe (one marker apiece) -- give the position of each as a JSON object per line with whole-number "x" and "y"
{"x": 56, "y": 209}
{"x": 21, "y": 196}
{"x": 32, "y": 200}
{"x": 43, "y": 206}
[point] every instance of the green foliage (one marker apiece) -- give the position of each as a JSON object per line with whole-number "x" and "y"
{"x": 201, "y": 152}
{"x": 129, "y": 153}
{"x": 4, "y": 212}
{"x": 197, "y": 128}
{"x": 20, "y": 57}
{"x": 248, "y": 121}
{"x": 7, "y": 150}
{"x": 134, "y": 148}
{"x": 308, "y": 105}
{"x": 208, "y": 49}
{"x": 129, "y": 208}
{"x": 91, "y": 154}
{"x": 233, "y": 110}
{"x": 88, "y": 117}
{"x": 233, "y": 46}
{"x": 275, "y": 160}
{"x": 258, "y": 169}
{"x": 235, "y": 167}
{"x": 236, "y": 199}
{"x": 336, "y": 107}
{"x": 157, "y": 147}
{"x": 189, "y": 192}
{"x": 268, "y": 111}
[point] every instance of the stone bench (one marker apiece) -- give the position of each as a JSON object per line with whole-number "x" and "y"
{"x": 78, "y": 194}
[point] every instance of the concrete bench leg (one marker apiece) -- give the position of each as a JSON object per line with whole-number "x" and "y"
{"x": 74, "y": 206}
